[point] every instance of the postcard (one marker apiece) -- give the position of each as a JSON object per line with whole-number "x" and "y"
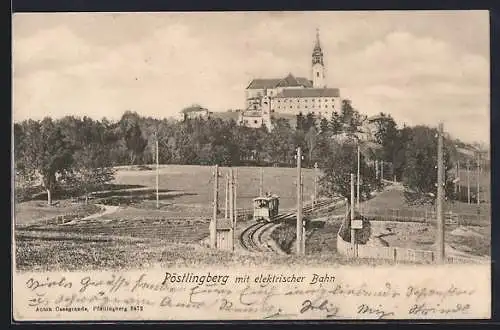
{"x": 315, "y": 165}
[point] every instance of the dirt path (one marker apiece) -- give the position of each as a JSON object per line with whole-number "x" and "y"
{"x": 107, "y": 209}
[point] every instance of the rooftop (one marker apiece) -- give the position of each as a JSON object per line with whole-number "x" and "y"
{"x": 193, "y": 108}
{"x": 289, "y": 81}
{"x": 310, "y": 92}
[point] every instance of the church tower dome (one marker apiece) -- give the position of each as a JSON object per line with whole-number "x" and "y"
{"x": 318, "y": 67}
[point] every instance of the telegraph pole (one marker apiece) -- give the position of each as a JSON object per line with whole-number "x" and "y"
{"x": 299, "y": 202}
{"x": 457, "y": 179}
{"x": 235, "y": 189}
{"x": 458, "y": 176}
{"x": 478, "y": 174}
{"x": 157, "y": 172}
{"x": 303, "y": 247}
{"x": 213, "y": 223}
{"x": 231, "y": 205}
{"x": 226, "y": 208}
{"x": 440, "y": 198}
{"x": 468, "y": 182}
{"x": 381, "y": 170}
{"x": 315, "y": 184}
{"x": 357, "y": 182}
{"x": 353, "y": 231}
{"x": 261, "y": 182}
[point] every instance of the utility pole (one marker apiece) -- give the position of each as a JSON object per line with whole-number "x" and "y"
{"x": 303, "y": 247}
{"x": 315, "y": 196}
{"x": 457, "y": 180}
{"x": 226, "y": 208}
{"x": 157, "y": 171}
{"x": 235, "y": 189}
{"x": 468, "y": 182}
{"x": 231, "y": 205}
{"x": 458, "y": 176}
{"x": 357, "y": 181}
{"x": 353, "y": 231}
{"x": 261, "y": 183}
{"x": 381, "y": 170}
{"x": 478, "y": 175}
{"x": 299, "y": 202}
{"x": 213, "y": 223}
{"x": 440, "y": 198}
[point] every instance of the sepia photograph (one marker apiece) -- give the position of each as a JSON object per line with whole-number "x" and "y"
{"x": 251, "y": 165}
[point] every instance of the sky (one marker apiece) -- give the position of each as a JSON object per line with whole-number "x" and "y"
{"x": 421, "y": 67}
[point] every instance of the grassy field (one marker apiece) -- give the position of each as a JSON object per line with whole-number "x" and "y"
{"x": 139, "y": 235}
{"x": 139, "y": 231}
{"x": 196, "y": 183}
{"x": 394, "y": 200}
{"x": 31, "y": 212}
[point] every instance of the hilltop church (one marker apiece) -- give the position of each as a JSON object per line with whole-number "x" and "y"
{"x": 291, "y": 95}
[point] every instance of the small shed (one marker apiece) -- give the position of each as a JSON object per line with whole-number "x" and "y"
{"x": 224, "y": 235}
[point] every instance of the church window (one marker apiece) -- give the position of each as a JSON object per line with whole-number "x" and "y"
{"x": 317, "y": 74}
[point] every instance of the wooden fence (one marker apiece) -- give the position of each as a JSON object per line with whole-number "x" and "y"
{"x": 395, "y": 254}
{"x": 413, "y": 215}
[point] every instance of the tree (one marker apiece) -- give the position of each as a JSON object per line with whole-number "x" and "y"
{"x": 420, "y": 171}
{"x": 324, "y": 125}
{"x": 135, "y": 142}
{"x": 52, "y": 155}
{"x": 300, "y": 122}
{"x": 92, "y": 166}
{"x": 311, "y": 139}
{"x": 335, "y": 123}
{"x": 338, "y": 165}
{"x": 387, "y": 135}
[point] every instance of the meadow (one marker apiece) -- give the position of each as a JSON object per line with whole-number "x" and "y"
{"x": 195, "y": 183}
{"x": 137, "y": 234}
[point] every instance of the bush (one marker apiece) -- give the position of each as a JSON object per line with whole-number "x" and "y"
{"x": 362, "y": 235}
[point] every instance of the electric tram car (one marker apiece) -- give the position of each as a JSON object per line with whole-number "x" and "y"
{"x": 265, "y": 208}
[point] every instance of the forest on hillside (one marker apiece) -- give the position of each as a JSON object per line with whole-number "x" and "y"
{"x": 82, "y": 151}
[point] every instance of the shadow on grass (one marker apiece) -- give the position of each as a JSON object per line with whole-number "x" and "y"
{"x": 63, "y": 239}
{"x": 39, "y": 193}
{"x": 138, "y": 196}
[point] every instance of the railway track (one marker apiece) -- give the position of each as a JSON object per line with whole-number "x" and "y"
{"x": 251, "y": 238}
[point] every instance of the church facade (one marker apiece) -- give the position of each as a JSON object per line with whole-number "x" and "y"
{"x": 291, "y": 95}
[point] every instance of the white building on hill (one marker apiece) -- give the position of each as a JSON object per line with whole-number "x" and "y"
{"x": 294, "y": 95}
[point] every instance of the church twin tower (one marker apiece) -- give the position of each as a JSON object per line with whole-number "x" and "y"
{"x": 318, "y": 66}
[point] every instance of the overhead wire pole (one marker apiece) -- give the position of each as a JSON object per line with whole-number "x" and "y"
{"x": 213, "y": 223}
{"x": 440, "y": 197}
{"x": 353, "y": 231}
{"x": 231, "y": 206}
{"x": 458, "y": 176}
{"x": 261, "y": 182}
{"x": 315, "y": 196}
{"x": 299, "y": 202}
{"x": 235, "y": 200}
{"x": 157, "y": 171}
{"x": 303, "y": 241}
{"x": 468, "y": 182}
{"x": 357, "y": 180}
{"x": 477, "y": 179}
{"x": 381, "y": 170}
{"x": 226, "y": 207}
